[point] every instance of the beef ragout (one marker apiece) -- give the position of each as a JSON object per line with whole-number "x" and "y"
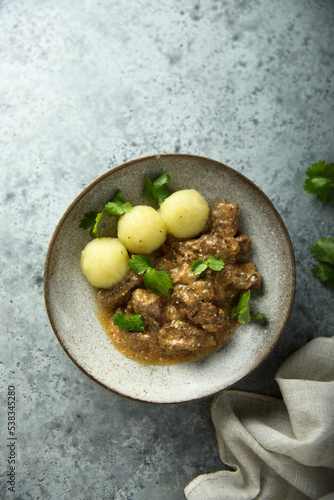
{"x": 196, "y": 319}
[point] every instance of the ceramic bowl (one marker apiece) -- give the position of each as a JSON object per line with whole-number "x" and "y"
{"x": 70, "y": 301}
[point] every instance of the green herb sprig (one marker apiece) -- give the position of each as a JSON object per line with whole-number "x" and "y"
{"x": 115, "y": 207}
{"x": 242, "y": 310}
{"x": 321, "y": 181}
{"x": 157, "y": 190}
{"x": 213, "y": 262}
{"x": 132, "y": 323}
{"x": 323, "y": 252}
{"x": 159, "y": 281}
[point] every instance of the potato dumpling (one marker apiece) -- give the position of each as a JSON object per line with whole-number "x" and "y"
{"x": 141, "y": 230}
{"x": 104, "y": 262}
{"x": 185, "y": 212}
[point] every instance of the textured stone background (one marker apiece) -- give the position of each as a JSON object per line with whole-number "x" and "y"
{"x": 86, "y": 85}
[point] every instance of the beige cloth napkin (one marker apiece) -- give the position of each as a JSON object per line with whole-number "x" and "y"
{"x": 279, "y": 449}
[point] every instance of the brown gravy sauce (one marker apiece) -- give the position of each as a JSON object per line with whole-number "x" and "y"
{"x": 147, "y": 350}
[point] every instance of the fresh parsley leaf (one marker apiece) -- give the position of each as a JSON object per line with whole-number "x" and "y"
{"x": 118, "y": 198}
{"x": 242, "y": 309}
{"x": 325, "y": 273}
{"x": 140, "y": 263}
{"x": 147, "y": 192}
{"x": 132, "y": 323}
{"x": 244, "y": 316}
{"x": 323, "y": 252}
{"x": 258, "y": 316}
{"x": 321, "y": 181}
{"x": 157, "y": 190}
{"x": 161, "y": 194}
{"x": 213, "y": 262}
{"x": 198, "y": 266}
{"x": 94, "y": 232}
{"x": 88, "y": 221}
{"x": 160, "y": 188}
{"x": 158, "y": 281}
{"x": 115, "y": 207}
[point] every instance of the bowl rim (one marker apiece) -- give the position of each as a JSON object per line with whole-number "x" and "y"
{"x": 85, "y": 190}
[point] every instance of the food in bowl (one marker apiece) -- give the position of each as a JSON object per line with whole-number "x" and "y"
{"x": 71, "y": 301}
{"x": 142, "y": 230}
{"x": 105, "y": 262}
{"x": 178, "y": 284}
{"x": 185, "y": 213}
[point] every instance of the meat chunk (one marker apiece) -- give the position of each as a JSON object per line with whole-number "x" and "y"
{"x": 210, "y": 317}
{"x": 184, "y": 336}
{"x": 174, "y": 311}
{"x": 147, "y": 304}
{"x": 180, "y": 272}
{"x": 224, "y": 219}
{"x": 121, "y": 293}
{"x": 244, "y": 243}
{"x": 195, "y": 303}
{"x": 235, "y": 278}
{"x": 206, "y": 245}
{"x": 192, "y": 295}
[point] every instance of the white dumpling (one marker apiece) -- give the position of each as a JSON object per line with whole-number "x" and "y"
{"x": 185, "y": 213}
{"x": 142, "y": 230}
{"x": 104, "y": 262}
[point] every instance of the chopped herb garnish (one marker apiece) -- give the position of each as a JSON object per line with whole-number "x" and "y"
{"x": 88, "y": 221}
{"x": 213, "y": 262}
{"x": 321, "y": 181}
{"x": 323, "y": 252}
{"x": 140, "y": 263}
{"x": 157, "y": 281}
{"x": 242, "y": 310}
{"x": 157, "y": 190}
{"x": 132, "y": 323}
{"x": 115, "y": 207}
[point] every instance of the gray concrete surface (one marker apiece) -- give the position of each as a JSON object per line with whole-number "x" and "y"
{"x": 86, "y": 85}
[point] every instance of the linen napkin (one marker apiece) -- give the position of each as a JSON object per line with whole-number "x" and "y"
{"x": 280, "y": 449}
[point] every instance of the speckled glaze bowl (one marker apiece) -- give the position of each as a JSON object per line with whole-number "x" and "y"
{"x": 70, "y": 301}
